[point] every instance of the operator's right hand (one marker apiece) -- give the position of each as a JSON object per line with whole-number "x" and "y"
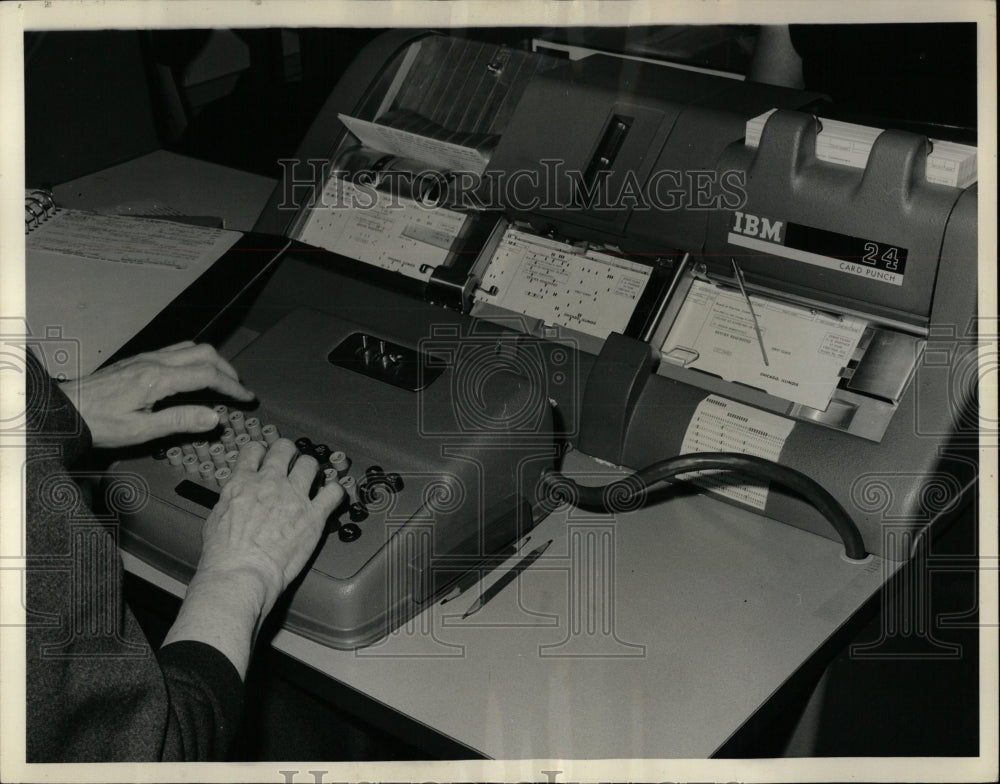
{"x": 264, "y": 527}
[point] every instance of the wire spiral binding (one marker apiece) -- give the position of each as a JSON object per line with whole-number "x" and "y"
{"x": 39, "y": 206}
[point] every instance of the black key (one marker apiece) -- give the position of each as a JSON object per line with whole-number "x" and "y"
{"x": 348, "y": 532}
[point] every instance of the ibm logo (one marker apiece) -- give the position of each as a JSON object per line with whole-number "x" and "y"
{"x": 754, "y": 226}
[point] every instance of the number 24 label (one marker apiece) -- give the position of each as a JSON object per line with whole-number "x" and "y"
{"x": 890, "y": 256}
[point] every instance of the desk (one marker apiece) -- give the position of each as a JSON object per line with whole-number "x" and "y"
{"x": 699, "y": 612}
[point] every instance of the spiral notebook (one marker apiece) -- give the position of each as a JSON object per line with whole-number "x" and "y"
{"x": 97, "y": 280}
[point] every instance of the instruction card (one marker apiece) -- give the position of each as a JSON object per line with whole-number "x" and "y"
{"x": 382, "y": 229}
{"x": 806, "y": 349}
{"x": 592, "y": 292}
{"x": 445, "y": 156}
{"x": 721, "y": 425}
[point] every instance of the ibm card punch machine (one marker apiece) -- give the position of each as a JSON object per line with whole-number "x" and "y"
{"x": 507, "y": 267}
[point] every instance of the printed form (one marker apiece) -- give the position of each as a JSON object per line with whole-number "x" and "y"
{"x": 592, "y": 292}
{"x": 130, "y": 240}
{"x": 806, "y": 349}
{"x": 445, "y": 156}
{"x": 721, "y": 425}
{"x": 99, "y": 279}
{"x": 385, "y": 230}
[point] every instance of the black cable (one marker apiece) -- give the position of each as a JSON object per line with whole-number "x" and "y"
{"x": 629, "y": 492}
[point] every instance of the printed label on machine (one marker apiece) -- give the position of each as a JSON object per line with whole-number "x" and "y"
{"x": 594, "y": 293}
{"x": 382, "y": 229}
{"x": 722, "y": 425}
{"x": 806, "y": 349}
{"x": 876, "y": 261}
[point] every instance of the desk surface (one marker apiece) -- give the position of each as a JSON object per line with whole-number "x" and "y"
{"x": 165, "y": 183}
{"x": 654, "y": 634}
{"x": 100, "y": 305}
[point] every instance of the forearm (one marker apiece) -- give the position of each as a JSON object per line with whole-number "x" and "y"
{"x": 223, "y": 610}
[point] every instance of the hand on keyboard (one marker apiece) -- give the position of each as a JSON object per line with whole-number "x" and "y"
{"x": 265, "y": 525}
{"x": 116, "y": 402}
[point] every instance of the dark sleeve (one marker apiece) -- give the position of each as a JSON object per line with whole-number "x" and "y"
{"x": 95, "y": 689}
{"x": 206, "y": 700}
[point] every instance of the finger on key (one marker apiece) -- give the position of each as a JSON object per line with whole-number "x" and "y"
{"x": 303, "y": 473}
{"x": 328, "y": 498}
{"x": 279, "y": 455}
{"x": 250, "y": 458}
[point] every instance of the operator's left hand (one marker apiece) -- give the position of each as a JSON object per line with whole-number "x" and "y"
{"x": 116, "y": 402}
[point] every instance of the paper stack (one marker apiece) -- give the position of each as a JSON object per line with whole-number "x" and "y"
{"x": 849, "y": 144}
